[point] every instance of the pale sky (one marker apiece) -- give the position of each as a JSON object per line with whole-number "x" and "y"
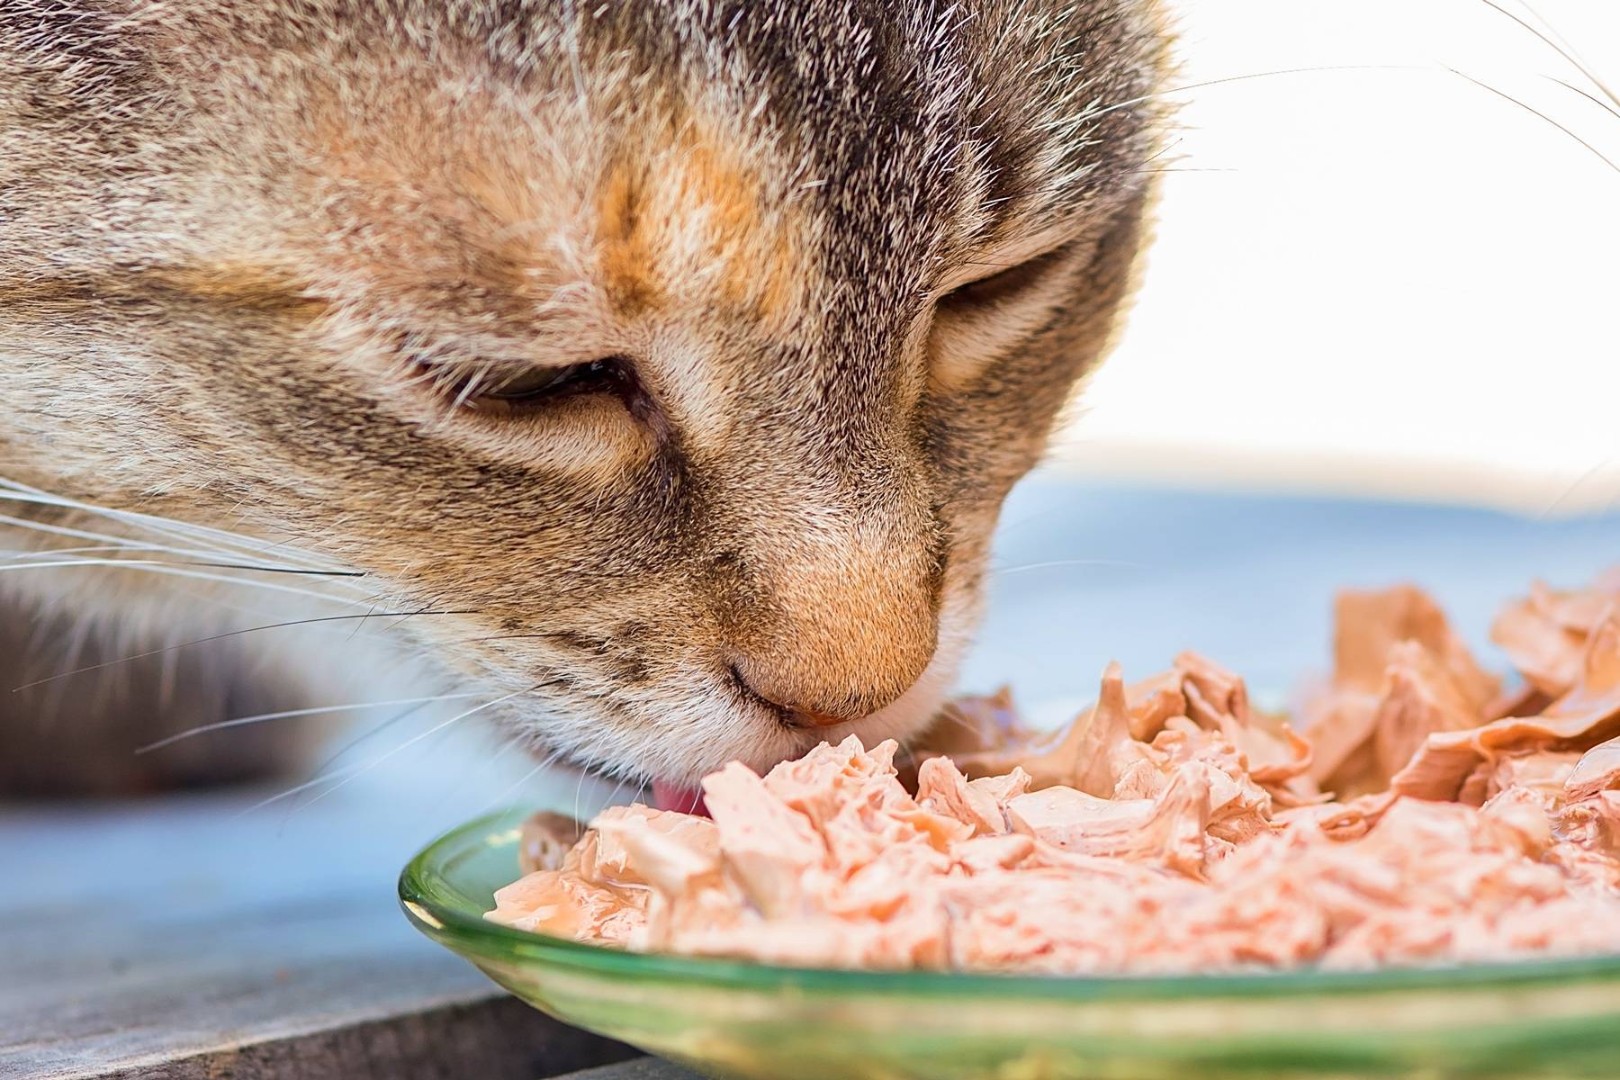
{"x": 1383, "y": 279}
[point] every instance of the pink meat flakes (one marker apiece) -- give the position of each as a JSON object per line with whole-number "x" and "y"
{"x": 1420, "y": 814}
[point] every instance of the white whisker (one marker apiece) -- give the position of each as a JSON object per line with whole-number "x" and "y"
{"x": 579, "y": 792}
{"x": 617, "y": 788}
{"x": 1089, "y": 115}
{"x": 1609, "y": 107}
{"x": 1554, "y": 40}
{"x": 112, "y": 542}
{"x": 319, "y": 620}
{"x": 155, "y": 566}
{"x": 215, "y": 540}
{"x": 1531, "y": 109}
{"x": 499, "y": 800}
{"x": 241, "y": 721}
{"x": 349, "y": 772}
{"x": 1116, "y": 564}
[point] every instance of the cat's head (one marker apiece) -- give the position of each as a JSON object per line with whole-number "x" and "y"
{"x": 689, "y": 346}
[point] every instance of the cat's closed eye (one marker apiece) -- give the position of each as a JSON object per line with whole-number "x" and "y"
{"x": 1005, "y": 285}
{"x": 978, "y": 322}
{"x": 519, "y": 390}
{"x": 539, "y": 386}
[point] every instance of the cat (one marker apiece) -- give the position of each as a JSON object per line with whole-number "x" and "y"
{"x": 658, "y": 366}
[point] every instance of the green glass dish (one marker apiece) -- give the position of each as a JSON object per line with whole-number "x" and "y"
{"x": 732, "y": 1019}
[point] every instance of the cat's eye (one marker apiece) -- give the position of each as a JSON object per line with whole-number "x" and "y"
{"x": 537, "y": 387}
{"x": 542, "y": 384}
{"x": 998, "y": 288}
{"x": 976, "y": 324}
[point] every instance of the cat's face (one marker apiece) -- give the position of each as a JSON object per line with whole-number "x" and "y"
{"x": 689, "y": 348}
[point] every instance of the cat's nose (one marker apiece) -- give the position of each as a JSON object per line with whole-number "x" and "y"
{"x": 832, "y": 623}
{"x": 824, "y": 696}
{"x": 795, "y": 714}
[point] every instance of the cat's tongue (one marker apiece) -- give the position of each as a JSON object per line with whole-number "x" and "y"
{"x": 681, "y": 800}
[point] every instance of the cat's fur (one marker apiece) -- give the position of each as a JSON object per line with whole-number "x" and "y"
{"x": 251, "y": 255}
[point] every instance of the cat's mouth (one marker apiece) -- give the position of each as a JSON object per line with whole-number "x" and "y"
{"x": 901, "y": 718}
{"x": 682, "y": 800}
{"x": 676, "y": 760}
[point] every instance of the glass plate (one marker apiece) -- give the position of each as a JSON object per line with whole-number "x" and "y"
{"x": 732, "y": 1019}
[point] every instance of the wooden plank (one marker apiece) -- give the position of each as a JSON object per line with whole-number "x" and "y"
{"x": 491, "y": 1039}
{"x": 644, "y": 1068}
{"x": 188, "y": 930}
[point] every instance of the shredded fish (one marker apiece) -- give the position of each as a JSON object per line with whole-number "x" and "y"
{"x": 1420, "y": 814}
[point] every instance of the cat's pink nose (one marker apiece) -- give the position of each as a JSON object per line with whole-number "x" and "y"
{"x": 824, "y": 703}
{"x": 840, "y": 620}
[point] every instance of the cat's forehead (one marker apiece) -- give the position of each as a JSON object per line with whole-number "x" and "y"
{"x": 554, "y": 170}
{"x": 916, "y": 130}
{"x": 876, "y": 138}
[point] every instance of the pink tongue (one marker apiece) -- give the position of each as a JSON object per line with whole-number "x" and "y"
{"x": 681, "y": 800}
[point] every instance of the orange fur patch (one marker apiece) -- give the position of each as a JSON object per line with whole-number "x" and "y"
{"x": 691, "y": 209}
{"x": 627, "y": 255}
{"x": 261, "y": 288}
{"x": 257, "y": 288}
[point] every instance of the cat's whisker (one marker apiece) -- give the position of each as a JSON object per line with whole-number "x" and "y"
{"x": 579, "y": 792}
{"x": 24, "y": 555}
{"x": 516, "y": 740}
{"x": 1082, "y": 118}
{"x": 112, "y": 543}
{"x": 198, "y": 560}
{"x": 1182, "y": 169}
{"x": 1610, "y": 162}
{"x": 34, "y": 560}
{"x": 116, "y": 542}
{"x": 955, "y": 717}
{"x": 350, "y": 772}
{"x": 154, "y": 566}
{"x": 229, "y": 634}
{"x": 285, "y": 714}
{"x": 1574, "y": 485}
{"x": 483, "y": 765}
{"x": 1612, "y": 107}
{"x": 1555, "y": 41}
{"x": 618, "y": 787}
{"x": 282, "y": 570}
{"x": 435, "y": 729}
{"x": 219, "y": 541}
{"x": 1113, "y": 564}
{"x": 347, "y": 770}
{"x": 371, "y": 732}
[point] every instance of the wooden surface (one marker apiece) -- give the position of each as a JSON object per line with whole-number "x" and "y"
{"x": 499, "y": 1039}
{"x": 643, "y": 1068}
{"x": 186, "y": 937}
{"x": 208, "y": 936}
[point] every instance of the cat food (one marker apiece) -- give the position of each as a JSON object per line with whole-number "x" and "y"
{"x": 1421, "y": 812}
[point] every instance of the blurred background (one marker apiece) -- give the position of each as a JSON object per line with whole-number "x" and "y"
{"x": 1373, "y": 275}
